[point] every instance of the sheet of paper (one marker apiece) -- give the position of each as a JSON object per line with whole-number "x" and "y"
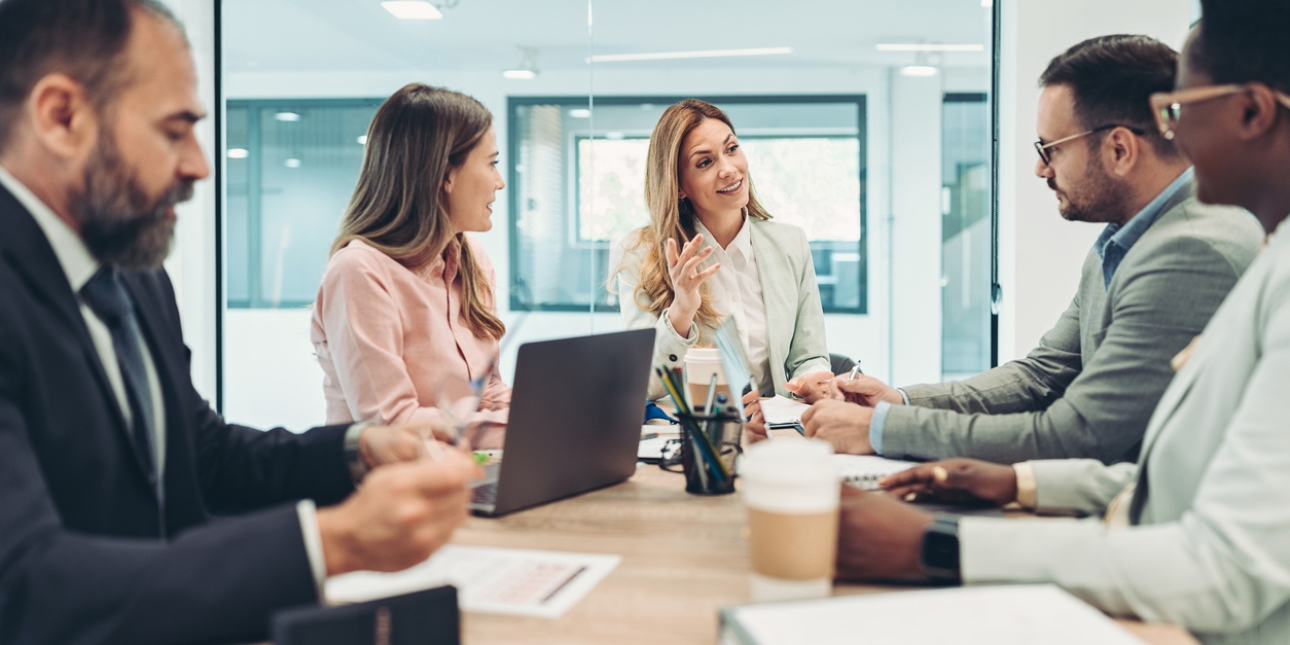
{"x": 545, "y": 584}
{"x": 653, "y": 448}
{"x": 995, "y": 615}
{"x": 864, "y": 471}
{"x": 779, "y": 410}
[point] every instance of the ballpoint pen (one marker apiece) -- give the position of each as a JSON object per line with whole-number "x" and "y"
{"x": 712, "y": 393}
{"x": 707, "y": 409}
{"x": 854, "y": 371}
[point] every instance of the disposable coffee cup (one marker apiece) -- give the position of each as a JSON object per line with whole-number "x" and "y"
{"x": 791, "y": 491}
{"x": 700, "y": 364}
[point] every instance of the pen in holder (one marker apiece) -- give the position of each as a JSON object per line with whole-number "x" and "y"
{"x": 709, "y": 445}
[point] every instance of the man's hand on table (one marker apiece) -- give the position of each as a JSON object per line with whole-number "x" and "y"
{"x": 955, "y": 481}
{"x": 845, "y": 425}
{"x": 402, "y": 513}
{"x": 879, "y": 537}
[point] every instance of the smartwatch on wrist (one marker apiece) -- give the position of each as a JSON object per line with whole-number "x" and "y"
{"x": 941, "y": 548}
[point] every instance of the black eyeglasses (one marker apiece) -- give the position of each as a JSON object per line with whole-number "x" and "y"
{"x": 1042, "y": 148}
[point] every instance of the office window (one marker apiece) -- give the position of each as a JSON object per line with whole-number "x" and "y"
{"x": 291, "y": 168}
{"x": 576, "y": 191}
{"x": 844, "y": 139}
{"x": 965, "y": 235}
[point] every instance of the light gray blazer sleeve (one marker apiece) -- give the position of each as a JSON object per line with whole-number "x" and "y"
{"x": 1081, "y": 486}
{"x": 1223, "y": 567}
{"x": 669, "y": 346}
{"x": 1165, "y": 298}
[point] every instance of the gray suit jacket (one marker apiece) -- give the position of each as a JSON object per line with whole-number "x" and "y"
{"x": 1090, "y": 386}
{"x": 1210, "y": 545}
{"x": 794, "y": 315}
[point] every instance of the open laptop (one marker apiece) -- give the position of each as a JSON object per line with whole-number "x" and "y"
{"x": 575, "y": 419}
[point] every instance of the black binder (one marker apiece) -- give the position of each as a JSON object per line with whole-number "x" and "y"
{"x": 426, "y": 617}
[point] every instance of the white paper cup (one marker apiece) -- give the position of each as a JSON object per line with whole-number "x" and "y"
{"x": 791, "y": 490}
{"x": 700, "y": 364}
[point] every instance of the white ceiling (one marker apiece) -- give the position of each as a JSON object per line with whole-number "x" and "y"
{"x": 358, "y": 35}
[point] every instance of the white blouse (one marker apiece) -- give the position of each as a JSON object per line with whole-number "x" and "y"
{"x": 735, "y": 289}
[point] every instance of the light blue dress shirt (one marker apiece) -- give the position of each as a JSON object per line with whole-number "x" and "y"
{"x": 1112, "y": 245}
{"x": 1116, "y": 239}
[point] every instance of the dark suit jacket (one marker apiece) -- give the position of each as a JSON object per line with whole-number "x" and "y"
{"x": 86, "y": 555}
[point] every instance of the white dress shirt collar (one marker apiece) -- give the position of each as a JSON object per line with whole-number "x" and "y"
{"x": 78, "y": 263}
{"x": 741, "y": 246}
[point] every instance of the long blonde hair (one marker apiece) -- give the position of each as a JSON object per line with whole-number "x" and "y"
{"x": 398, "y": 207}
{"x": 672, "y": 217}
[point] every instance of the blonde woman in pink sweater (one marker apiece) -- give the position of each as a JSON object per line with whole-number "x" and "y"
{"x": 406, "y": 303}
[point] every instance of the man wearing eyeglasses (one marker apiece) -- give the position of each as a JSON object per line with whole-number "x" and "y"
{"x": 1152, "y": 280}
{"x": 1197, "y": 533}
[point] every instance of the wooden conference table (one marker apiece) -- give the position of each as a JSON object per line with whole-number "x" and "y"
{"x": 684, "y": 556}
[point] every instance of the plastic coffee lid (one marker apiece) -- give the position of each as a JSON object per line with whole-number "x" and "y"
{"x": 789, "y": 461}
{"x": 703, "y": 354}
{"x": 790, "y": 476}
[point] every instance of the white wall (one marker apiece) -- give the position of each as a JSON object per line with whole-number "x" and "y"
{"x": 192, "y": 261}
{"x": 1040, "y": 253}
{"x": 915, "y": 229}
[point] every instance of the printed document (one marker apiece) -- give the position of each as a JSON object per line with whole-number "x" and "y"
{"x": 545, "y": 584}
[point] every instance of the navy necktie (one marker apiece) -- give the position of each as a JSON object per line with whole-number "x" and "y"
{"x": 109, "y": 300}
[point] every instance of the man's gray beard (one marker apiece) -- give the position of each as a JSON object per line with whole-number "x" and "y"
{"x": 120, "y": 225}
{"x": 1102, "y": 198}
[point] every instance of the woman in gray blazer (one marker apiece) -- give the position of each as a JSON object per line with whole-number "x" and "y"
{"x": 711, "y": 251}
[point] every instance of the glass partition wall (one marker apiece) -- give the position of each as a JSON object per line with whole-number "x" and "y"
{"x": 866, "y": 123}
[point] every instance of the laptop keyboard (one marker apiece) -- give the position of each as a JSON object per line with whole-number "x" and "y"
{"x": 485, "y": 495}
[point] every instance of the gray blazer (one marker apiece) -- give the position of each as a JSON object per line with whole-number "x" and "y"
{"x": 1210, "y": 545}
{"x": 1090, "y": 386}
{"x": 794, "y": 315}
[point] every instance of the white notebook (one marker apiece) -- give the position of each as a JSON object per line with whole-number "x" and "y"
{"x": 988, "y": 615}
{"x": 865, "y": 471}
{"x": 782, "y": 411}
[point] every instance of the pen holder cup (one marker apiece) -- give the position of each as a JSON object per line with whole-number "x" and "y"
{"x": 709, "y": 446}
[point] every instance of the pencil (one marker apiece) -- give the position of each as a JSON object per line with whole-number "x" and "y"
{"x": 702, "y": 443}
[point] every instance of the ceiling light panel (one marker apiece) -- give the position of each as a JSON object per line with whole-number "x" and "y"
{"x": 930, "y": 47}
{"x": 707, "y": 53}
{"x": 918, "y": 70}
{"x": 412, "y": 10}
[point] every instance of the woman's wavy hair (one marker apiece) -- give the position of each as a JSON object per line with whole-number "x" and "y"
{"x": 672, "y": 217}
{"x": 399, "y": 205}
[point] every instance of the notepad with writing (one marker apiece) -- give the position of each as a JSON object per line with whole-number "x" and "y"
{"x": 993, "y": 615}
